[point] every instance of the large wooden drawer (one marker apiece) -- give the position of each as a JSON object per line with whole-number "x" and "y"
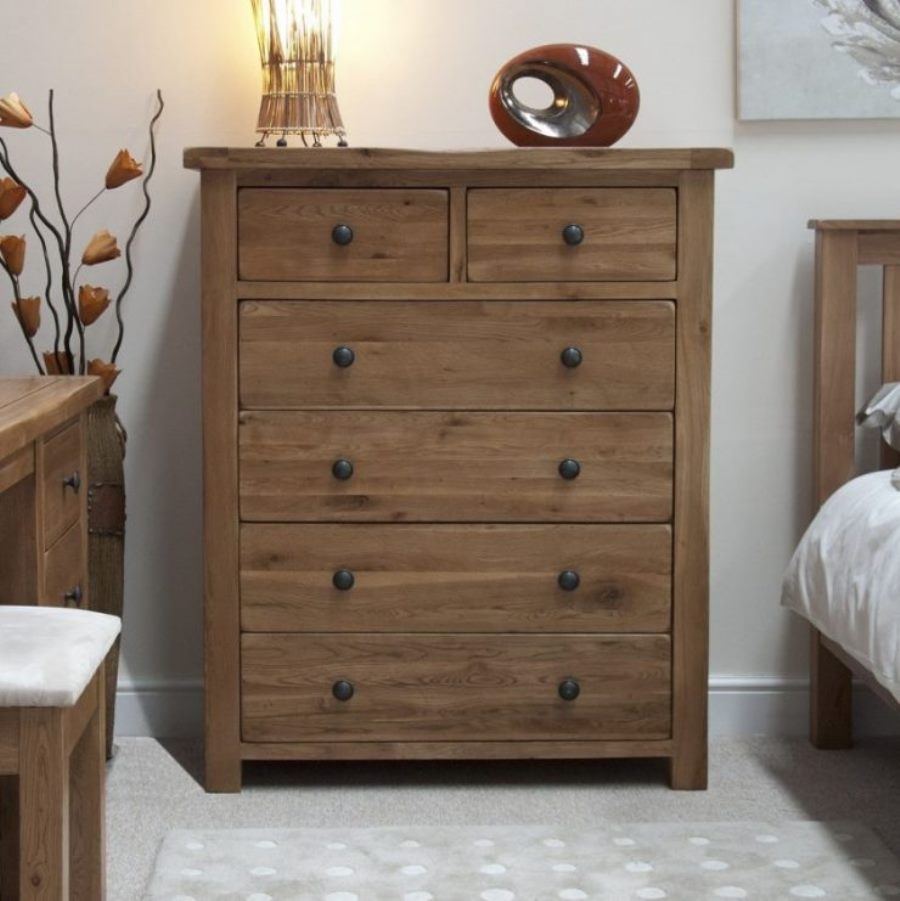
{"x": 455, "y": 467}
{"x": 65, "y": 576}
{"x": 455, "y": 578}
{"x": 62, "y": 481}
{"x": 446, "y": 687}
{"x": 445, "y": 355}
{"x": 288, "y": 234}
{"x": 518, "y": 234}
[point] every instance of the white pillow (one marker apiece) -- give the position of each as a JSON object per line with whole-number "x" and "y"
{"x": 883, "y": 412}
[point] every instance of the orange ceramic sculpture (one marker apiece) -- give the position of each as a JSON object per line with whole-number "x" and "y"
{"x": 595, "y": 98}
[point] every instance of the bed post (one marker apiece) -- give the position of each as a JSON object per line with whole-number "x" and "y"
{"x": 834, "y": 452}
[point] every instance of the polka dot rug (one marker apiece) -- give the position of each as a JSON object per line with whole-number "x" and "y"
{"x": 687, "y": 862}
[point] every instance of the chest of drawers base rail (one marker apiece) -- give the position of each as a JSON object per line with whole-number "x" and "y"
{"x": 456, "y": 455}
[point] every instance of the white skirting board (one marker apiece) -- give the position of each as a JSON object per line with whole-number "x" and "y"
{"x": 738, "y": 707}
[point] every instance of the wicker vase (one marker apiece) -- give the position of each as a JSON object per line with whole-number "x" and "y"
{"x": 106, "y": 528}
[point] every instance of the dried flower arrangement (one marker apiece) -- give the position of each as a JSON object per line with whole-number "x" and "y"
{"x": 77, "y": 306}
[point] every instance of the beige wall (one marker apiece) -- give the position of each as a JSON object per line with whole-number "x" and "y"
{"x": 416, "y": 73}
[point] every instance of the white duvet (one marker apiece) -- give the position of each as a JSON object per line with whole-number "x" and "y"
{"x": 845, "y": 575}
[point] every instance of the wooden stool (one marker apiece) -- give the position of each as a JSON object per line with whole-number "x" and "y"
{"x": 53, "y": 753}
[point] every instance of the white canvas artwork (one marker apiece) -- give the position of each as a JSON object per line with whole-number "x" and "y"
{"x": 819, "y": 59}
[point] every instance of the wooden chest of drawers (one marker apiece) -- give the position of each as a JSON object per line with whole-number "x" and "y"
{"x": 456, "y": 415}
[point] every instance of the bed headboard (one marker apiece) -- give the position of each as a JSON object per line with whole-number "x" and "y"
{"x": 841, "y": 247}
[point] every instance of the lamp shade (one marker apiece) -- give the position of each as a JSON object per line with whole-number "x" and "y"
{"x": 296, "y": 45}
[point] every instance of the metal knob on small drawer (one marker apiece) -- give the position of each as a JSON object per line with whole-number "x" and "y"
{"x": 73, "y": 597}
{"x": 343, "y": 357}
{"x": 572, "y": 357}
{"x": 73, "y": 481}
{"x": 342, "y": 235}
{"x": 569, "y": 580}
{"x": 343, "y": 580}
{"x": 570, "y": 469}
{"x": 573, "y": 235}
{"x": 342, "y": 470}
{"x": 342, "y": 690}
{"x": 569, "y": 689}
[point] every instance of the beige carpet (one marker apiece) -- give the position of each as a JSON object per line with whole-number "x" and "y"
{"x": 153, "y": 790}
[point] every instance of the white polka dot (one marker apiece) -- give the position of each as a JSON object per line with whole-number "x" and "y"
{"x": 339, "y": 871}
{"x": 564, "y": 868}
{"x": 767, "y": 839}
{"x": 807, "y": 891}
{"x": 714, "y": 865}
{"x": 190, "y": 871}
{"x": 259, "y": 896}
{"x": 262, "y": 871}
{"x": 336, "y": 846}
{"x": 413, "y": 869}
{"x": 483, "y": 843}
{"x": 888, "y": 891}
{"x": 698, "y": 840}
{"x": 266, "y": 844}
{"x": 554, "y": 843}
{"x": 638, "y": 866}
{"x": 493, "y": 869}
{"x": 650, "y": 894}
{"x": 572, "y": 894}
{"x": 497, "y": 894}
{"x": 787, "y": 864}
{"x": 342, "y": 896}
{"x": 730, "y": 891}
{"x": 410, "y": 843}
{"x": 863, "y": 863}
{"x": 418, "y": 896}
{"x": 195, "y": 846}
{"x": 624, "y": 842}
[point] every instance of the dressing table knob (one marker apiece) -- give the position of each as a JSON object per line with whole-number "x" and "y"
{"x": 572, "y": 357}
{"x": 342, "y": 470}
{"x": 343, "y": 580}
{"x": 344, "y": 357}
{"x": 73, "y": 597}
{"x": 569, "y": 580}
{"x": 73, "y": 481}
{"x": 342, "y": 690}
{"x": 570, "y": 469}
{"x": 342, "y": 235}
{"x": 569, "y": 689}
{"x": 573, "y": 235}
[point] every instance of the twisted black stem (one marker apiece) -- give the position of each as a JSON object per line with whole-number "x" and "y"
{"x": 48, "y": 290}
{"x": 18, "y": 305}
{"x": 140, "y": 220}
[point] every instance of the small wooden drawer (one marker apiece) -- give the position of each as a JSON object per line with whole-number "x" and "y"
{"x": 554, "y": 355}
{"x": 456, "y": 467}
{"x": 616, "y": 234}
{"x": 65, "y": 583}
{"x": 455, "y": 578}
{"x": 446, "y": 687}
{"x": 337, "y": 235}
{"x": 62, "y": 478}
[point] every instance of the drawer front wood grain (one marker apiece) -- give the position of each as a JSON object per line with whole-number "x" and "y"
{"x": 455, "y": 578}
{"x": 516, "y": 235}
{"x": 445, "y": 687}
{"x": 458, "y": 355}
{"x": 65, "y": 571}
{"x": 61, "y": 473}
{"x": 397, "y": 235}
{"x": 455, "y": 467}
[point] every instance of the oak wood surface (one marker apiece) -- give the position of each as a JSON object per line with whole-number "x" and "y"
{"x": 220, "y": 491}
{"x": 16, "y": 468}
{"x": 522, "y": 159}
{"x": 440, "y": 687}
{"x": 855, "y": 225}
{"x": 879, "y": 248}
{"x": 31, "y": 407}
{"x": 21, "y": 561}
{"x": 62, "y": 459}
{"x": 456, "y": 467}
{"x": 446, "y": 355}
{"x": 398, "y": 235}
{"x": 465, "y": 578}
{"x": 690, "y": 624}
{"x": 516, "y": 234}
{"x": 64, "y": 569}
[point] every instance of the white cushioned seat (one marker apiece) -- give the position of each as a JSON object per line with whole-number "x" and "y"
{"x": 48, "y": 655}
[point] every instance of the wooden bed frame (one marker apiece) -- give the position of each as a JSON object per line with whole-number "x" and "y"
{"x": 841, "y": 247}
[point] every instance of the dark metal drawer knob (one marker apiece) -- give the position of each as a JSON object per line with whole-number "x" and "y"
{"x": 342, "y": 235}
{"x": 73, "y": 481}
{"x": 570, "y": 469}
{"x": 343, "y": 580}
{"x": 342, "y": 469}
{"x": 342, "y": 690}
{"x": 573, "y": 235}
{"x": 569, "y": 580}
{"x": 73, "y": 597}
{"x": 344, "y": 357}
{"x": 569, "y": 689}
{"x": 572, "y": 357}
